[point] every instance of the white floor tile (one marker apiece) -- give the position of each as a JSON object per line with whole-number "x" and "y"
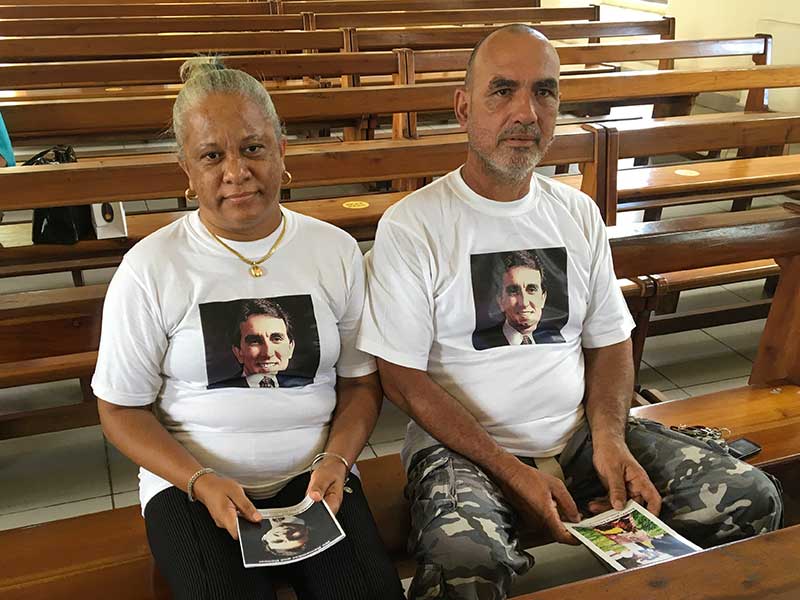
{"x": 391, "y": 424}
{"x": 124, "y": 473}
{"x": 97, "y": 276}
{"x": 693, "y": 357}
{"x": 650, "y": 378}
{"x": 39, "y": 396}
{"x": 52, "y": 468}
{"x": 126, "y": 499}
{"x": 366, "y": 453}
{"x": 742, "y": 337}
{"x": 709, "y": 297}
{"x": 748, "y": 290}
{"x": 163, "y": 204}
{"x": 689, "y": 210}
{"x": 54, "y": 513}
{"x": 385, "y": 448}
{"x": 50, "y": 281}
{"x": 676, "y": 394}
{"x": 717, "y": 386}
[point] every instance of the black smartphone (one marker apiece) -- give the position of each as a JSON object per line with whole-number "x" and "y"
{"x": 743, "y": 448}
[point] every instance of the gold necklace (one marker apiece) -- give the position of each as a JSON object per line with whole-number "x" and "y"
{"x": 255, "y": 265}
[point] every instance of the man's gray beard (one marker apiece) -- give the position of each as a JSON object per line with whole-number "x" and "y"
{"x": 521, "y": 167}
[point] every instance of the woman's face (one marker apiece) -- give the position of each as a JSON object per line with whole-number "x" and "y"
{"x": 234, "y": 163}
{"x": 286, "y": 537}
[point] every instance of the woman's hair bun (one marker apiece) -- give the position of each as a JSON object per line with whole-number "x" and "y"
{"x": 199, "y": 65}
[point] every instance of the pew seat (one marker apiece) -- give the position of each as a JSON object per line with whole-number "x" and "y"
{"x": 113, "y": 553}
{"x": 688, "y": 183}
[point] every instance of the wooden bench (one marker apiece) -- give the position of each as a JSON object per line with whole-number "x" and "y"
{"x": 160, "y": 75}
{"x": 67, "y": 48}
{"x": 113, "y": 554}
{"x": 76, "y": 26}
{"x": 723, "y": 572}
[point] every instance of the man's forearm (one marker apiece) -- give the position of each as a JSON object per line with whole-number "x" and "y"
{"x": 609, "y": 388}
{"x": 444, "y": 417}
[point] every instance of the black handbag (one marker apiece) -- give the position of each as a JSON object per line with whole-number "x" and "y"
{"x": 59, "y": 224}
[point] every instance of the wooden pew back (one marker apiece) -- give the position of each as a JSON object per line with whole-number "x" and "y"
{"x": 83, "y": 25}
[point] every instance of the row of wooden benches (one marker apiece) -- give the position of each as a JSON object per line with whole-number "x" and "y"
{"x": 597, "y": 147}
{"x": 141, "y": 45}
{"x": 104, "y": 8}
{"x": 307, "y": 21}
{"x": 113, "y": 557}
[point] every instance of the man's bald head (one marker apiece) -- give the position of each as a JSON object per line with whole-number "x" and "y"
{"x": 539, "y": 42}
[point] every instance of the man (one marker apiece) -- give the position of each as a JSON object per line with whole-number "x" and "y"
{"x": 521, "y": 296}
{"x": 483, "y": 421}
{"x": 263, "y": 343}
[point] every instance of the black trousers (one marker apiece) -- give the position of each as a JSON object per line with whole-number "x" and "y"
{"x": 200, "y": 561}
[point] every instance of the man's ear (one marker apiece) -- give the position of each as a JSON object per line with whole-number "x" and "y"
{"x": 461, "y": 106}
{"x": 291, "y": 350}
{"x": 544, "y": 298}
{"x": 238, "y": 354}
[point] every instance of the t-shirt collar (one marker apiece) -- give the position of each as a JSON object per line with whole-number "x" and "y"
{"x": 253, "y": 249}
{"x": 495, "y": 207}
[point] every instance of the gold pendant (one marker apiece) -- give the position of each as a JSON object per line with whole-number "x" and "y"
{"x": 256, "y": 271}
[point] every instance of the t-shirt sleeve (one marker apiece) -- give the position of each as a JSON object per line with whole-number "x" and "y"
{"x": 608, "y": 320}
{"x": 398, "y": 316}
{"x": 352, "y": 361}
{"x": 133, "y": 342}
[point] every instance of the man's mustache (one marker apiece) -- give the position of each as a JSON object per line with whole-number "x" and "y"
{"x": 522, "y": 131}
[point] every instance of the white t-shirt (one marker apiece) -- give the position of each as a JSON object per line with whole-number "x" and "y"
{"x": 171, "y": 321}
{"x": 451, "y": 271}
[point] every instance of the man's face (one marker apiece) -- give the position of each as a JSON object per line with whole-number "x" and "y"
{"x": 522, "y": 298}
{"x": 286, "y": 537}
{"x": 264, "y": 346}
{"x": 511, "y": 106}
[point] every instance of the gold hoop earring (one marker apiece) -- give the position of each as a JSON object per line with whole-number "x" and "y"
{"x": 286, "y": 177}
{"x": 190, "y": 195}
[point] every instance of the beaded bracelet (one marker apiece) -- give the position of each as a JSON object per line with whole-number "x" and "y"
{"x": 193, "y": 479}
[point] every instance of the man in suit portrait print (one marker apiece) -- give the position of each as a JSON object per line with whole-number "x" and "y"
{"x": 521, "y": 296}
{"x": 263, "y": 343}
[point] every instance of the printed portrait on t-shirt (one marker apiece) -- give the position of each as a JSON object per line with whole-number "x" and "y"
{"x": 521, "y": 297}
{"x": 260, "y": 342}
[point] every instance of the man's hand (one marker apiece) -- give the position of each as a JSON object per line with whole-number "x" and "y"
{"x": 327, "y": 481}
{"x": 623, "y": 477}
{"x": 223, "y": 497}
{"x": 544, "y": 496}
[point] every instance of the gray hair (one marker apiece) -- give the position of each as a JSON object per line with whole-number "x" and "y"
{"x": 205, "y": 75}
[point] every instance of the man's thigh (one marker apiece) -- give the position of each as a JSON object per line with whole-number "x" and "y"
{"x": 463, "y": 532}
{"x": 707, "y": 495}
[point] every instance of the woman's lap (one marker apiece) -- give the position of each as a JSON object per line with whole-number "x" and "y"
{"x": 186, "y": 542}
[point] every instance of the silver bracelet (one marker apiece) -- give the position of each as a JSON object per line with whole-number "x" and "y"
{"x": 193, "y": 479}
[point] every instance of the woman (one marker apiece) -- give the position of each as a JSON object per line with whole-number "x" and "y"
{"x": 227, "y": 362}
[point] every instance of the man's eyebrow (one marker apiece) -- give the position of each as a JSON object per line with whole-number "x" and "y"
{"x": 253, "y": 337}
{"x": 549, "y": 83}
{"x": 502, "y": 82}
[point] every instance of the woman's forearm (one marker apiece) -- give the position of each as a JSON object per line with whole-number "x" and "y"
{"x": 358, "y": 404}
{"x": 138, "y": 435}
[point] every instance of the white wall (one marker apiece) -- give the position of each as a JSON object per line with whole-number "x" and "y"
{"x": 698, "y": 19}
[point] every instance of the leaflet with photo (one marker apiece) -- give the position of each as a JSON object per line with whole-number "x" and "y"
{"x": 287, "y": 535}
{"x": 631, "y": 537}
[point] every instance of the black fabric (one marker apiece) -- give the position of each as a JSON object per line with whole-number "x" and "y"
{"x": 59, "y": 224}
{"x": 201, "y": 561}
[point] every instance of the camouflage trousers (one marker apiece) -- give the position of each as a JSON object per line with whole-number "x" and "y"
{"x": 464, "y": 534}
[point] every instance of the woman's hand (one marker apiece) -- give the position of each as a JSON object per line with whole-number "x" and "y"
{"x": 327, "y": 482}
{"x": 223, "y": 497}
